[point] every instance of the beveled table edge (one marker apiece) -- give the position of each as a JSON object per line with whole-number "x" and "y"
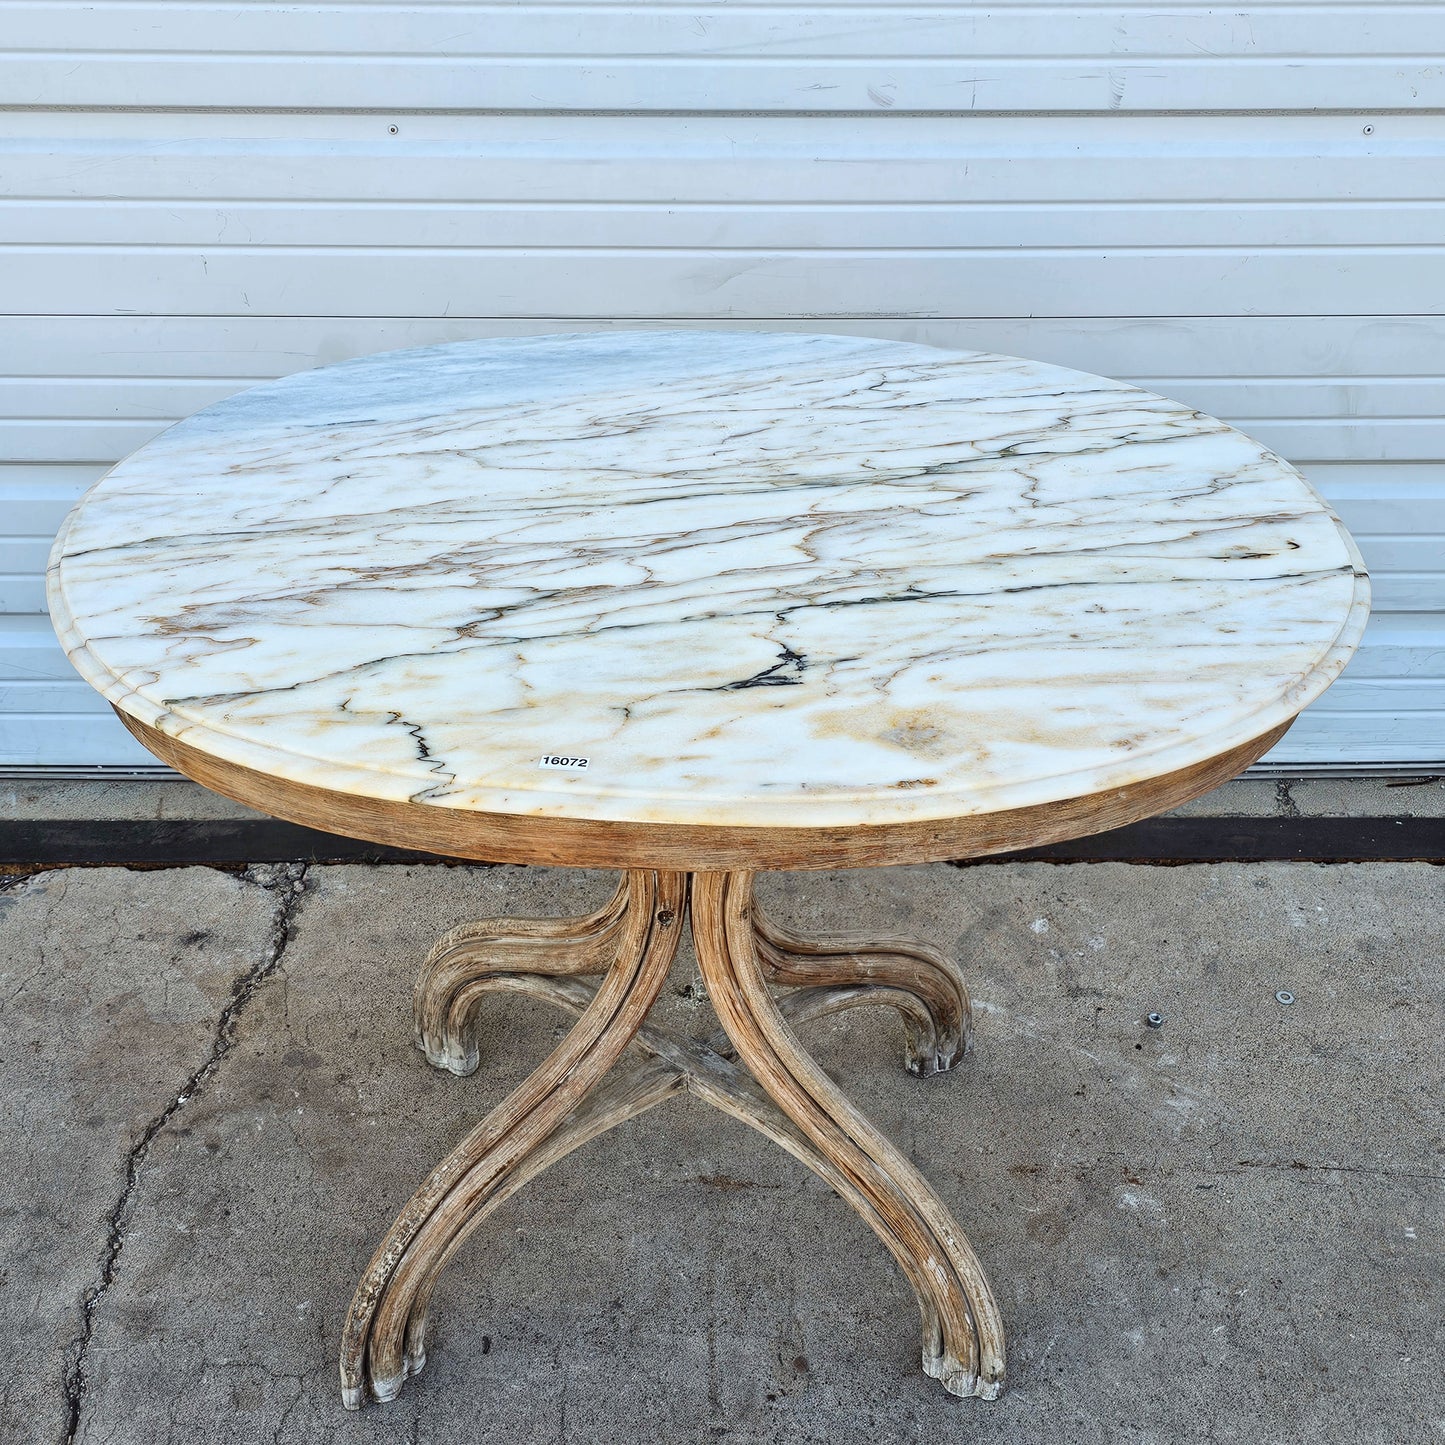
{"x": 693, "y": 847}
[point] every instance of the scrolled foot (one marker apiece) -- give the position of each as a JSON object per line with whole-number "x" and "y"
{"x": 851, "y": 969}
{"x": 924, "y": 1054}
{"x": 470, "y": 962}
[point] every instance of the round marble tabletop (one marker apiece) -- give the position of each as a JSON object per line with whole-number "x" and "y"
{"x": 718, "y": 578}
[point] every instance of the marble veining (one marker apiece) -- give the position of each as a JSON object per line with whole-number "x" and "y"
{"x": 750, "y": 578}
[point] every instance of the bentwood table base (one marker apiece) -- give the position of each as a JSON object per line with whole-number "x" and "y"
{"x": 757, "y": 1071}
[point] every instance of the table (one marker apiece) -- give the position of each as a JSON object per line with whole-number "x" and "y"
{"x": 690, "y": 606}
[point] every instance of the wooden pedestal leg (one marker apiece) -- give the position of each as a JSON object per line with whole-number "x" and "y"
{"x": 467, "y": 963}
{"x": 374, "y": 1350}
{"x": 848, "y": 969}
{"x": 963, "y": 1343}
{"x": 565, "y": 1103}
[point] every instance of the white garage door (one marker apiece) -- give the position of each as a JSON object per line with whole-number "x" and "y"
{"x": 1243, "y": 208}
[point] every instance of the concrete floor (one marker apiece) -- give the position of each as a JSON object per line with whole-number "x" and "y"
{"x": 1228, "y": 1228}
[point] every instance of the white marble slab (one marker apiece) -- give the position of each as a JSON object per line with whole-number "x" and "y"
{"x": 751, "y": 578}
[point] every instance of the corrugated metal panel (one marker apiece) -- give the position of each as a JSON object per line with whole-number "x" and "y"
{"x": 961, "y": 58}
{"x": 920, "y": 215}
{"x": 1284, "y": 272}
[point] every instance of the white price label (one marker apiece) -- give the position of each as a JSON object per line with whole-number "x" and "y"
{"x": 562, "y": 760}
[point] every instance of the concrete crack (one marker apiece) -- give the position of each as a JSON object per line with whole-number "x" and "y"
{"x": 287, "y": 881}
{"x": 1378, "y": 1171}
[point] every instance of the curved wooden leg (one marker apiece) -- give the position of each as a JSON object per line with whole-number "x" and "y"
{"x": 924, "y": 984}
{"x": 674, "y": 1064}
{"x": 963, "y": 1343}
{"x": 375, "y": 1348}
{"x": 466, "y": 964}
